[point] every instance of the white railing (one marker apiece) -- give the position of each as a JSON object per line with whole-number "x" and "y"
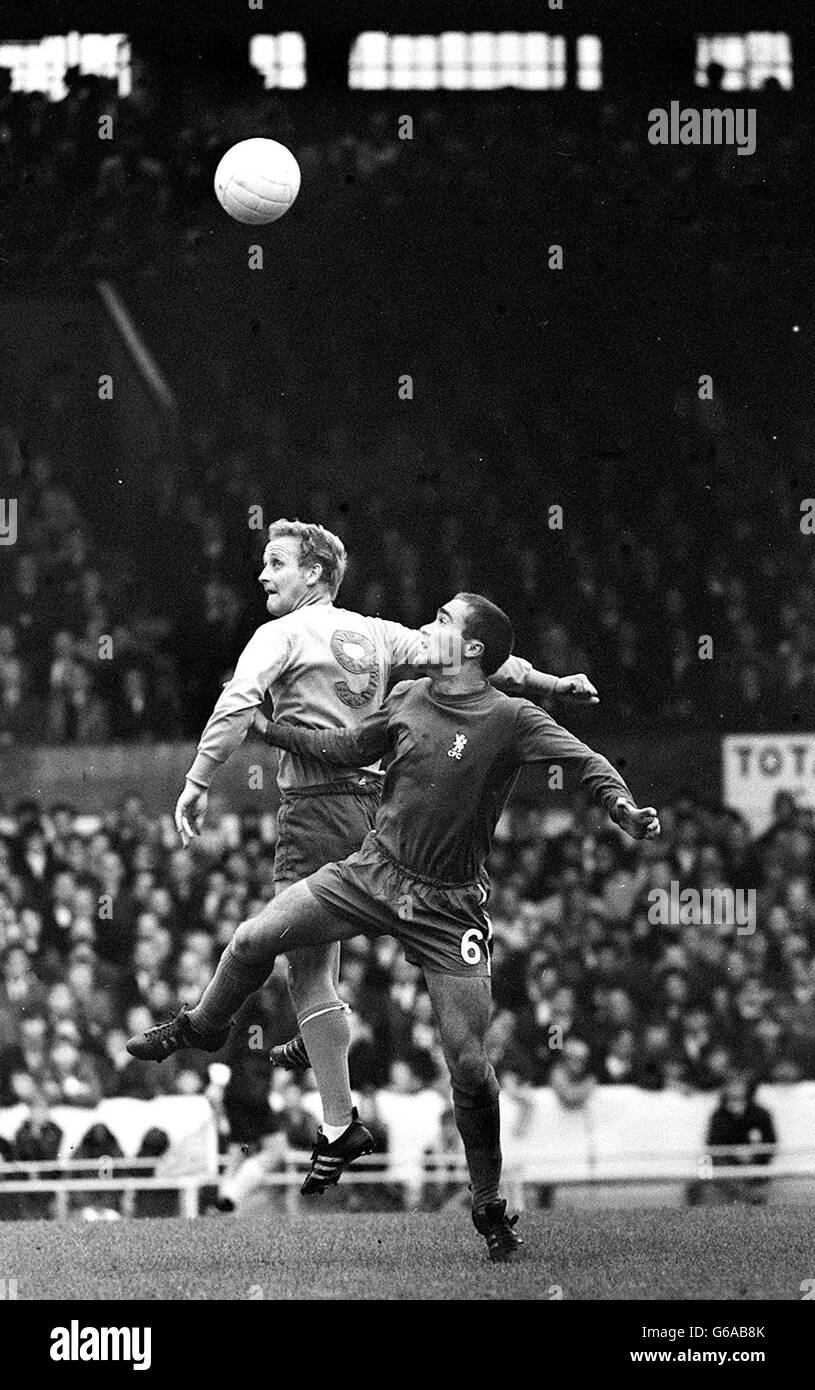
{"x": 105, "y": 1176}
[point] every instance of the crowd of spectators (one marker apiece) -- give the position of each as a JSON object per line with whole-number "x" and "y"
{"x": 107, "y": 925}
{"x": 81, "y": 660}
{"x": 533, "y": 388}
{"x": 92, "y": 649}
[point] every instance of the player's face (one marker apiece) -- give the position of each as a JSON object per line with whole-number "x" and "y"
{"x": 285, "y": 583}
{"x": 445, "y": 647}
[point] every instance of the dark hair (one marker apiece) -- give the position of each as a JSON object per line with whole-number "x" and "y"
{"x": 488, "y": 623}
{"x": 155, "y": 1143}
{"x": 98, "y": 1142}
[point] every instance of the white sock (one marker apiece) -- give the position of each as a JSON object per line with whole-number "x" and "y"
{"x": 333, "y": 1132}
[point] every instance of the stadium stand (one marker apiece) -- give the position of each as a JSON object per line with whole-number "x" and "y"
{"x": 274, "y": 412}
{"x": 715, "y": 547}
{"x": 106, "y": 925}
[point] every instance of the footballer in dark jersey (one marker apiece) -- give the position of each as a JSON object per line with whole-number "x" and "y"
{"x": 455, "y": 747}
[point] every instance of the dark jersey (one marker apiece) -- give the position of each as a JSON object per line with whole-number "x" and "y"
{"x": 454, "y": 760}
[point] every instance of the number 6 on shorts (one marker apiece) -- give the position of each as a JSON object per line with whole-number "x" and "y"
{"x": 471, "y": 945}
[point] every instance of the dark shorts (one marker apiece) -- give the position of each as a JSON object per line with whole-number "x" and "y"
{"x": 440, "y": 928}
{"x": 317, "y": 825}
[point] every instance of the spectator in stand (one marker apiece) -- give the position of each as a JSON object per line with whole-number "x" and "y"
{"x": 134, "y": 714}
{"x": 38, "y": 1140}
{"x": 445, "y": 1162}
{"x": 14, "y": 715}
{"x": 618, "y": 1067}
{"x": 672, "y": 1004}
{"x": 579, "y": 969}
{"x": 24, "y": 606}
{"x": 655, "y": 1052}
{"x": 71, "y": 1077}
{"x": 33, "y": 861}
{"x": 24, "y": 1061}
{"x": 99, "y": 1146}
{"x": 300, "y": 1125}
{"x": 570, "y": 1078}
{"x": 365, "y": 1062}
{"x": 21, "y": 993}
{"x": 517, "y": 1115}
{"x": 61, "y": 678}
{"x": 154, "y": 1201}
{"x": 95, "y": 1004}
{"x": 76, "y": 713}
{"x": 694, "y": 1047}
{"x": 504, "y": 1049}
{"x": 411, "y": 1111}
{"x": 739, "y": 1121}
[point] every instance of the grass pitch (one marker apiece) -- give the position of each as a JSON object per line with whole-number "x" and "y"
{"x": 732, "y": 1253}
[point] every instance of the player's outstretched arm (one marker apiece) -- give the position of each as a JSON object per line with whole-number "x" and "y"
{"x": 344, "y": 747}
{"x": 517, "y": 676}
{"x": 568, "y": 690}
{"x": 540, "y": 739}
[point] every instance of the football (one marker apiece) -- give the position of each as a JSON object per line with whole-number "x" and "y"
{"x": 257, "y": 181}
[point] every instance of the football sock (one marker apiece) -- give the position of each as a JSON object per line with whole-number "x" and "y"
{"x": 233, "y": 982}
{"x": 333, "y": 1132}
{"x": 327, "y": 1036}
{"x": 479, "y": 1125}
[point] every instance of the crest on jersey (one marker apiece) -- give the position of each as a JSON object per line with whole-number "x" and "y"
{"x": 458, "y": 746}
{"x": 356, "y": 654}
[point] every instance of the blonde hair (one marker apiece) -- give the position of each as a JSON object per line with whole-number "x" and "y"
{"x": 317, "y": 547}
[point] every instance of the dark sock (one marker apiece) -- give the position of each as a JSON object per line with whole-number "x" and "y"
{"x": 230, "y": 986}
{"x": 479, "y": 1125}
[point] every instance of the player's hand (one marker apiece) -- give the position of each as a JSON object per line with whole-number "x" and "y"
{"x": 190, "y": 810}
{"x": 640, "y": 822}
{"x": 259, "y": 722}
{"x": 576, "y": 690}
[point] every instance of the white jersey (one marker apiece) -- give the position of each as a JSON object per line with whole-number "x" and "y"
{"x": 323, "y": 667}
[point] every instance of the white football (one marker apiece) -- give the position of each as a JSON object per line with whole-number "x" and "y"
{"x": 257, "y": 181}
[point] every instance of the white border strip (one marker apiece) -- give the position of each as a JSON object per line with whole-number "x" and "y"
{"x": 135, "y": 344}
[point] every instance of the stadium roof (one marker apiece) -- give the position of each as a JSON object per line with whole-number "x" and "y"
{"x": 21, "y": 19}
